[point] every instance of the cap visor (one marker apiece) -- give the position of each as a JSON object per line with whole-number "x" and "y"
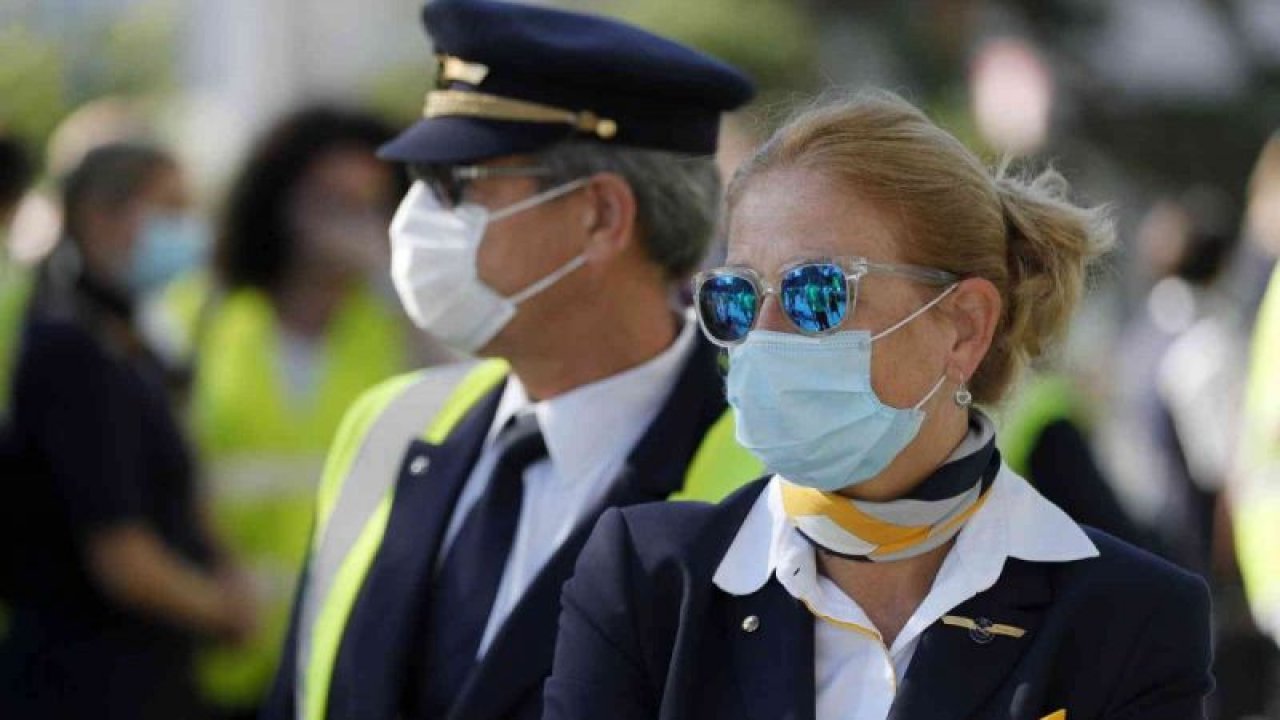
{"x": 455, "y": 140}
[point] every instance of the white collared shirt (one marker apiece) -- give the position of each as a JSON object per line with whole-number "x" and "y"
{"x": 589, "y": 432}
{"x": 856, "y": 675}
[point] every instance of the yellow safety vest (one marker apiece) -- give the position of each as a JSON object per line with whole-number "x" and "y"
{"x": 1256, "y": 494}
{"x": 262, "y": 451}
{"x": 1041, "y": 400}
{"x": 719, "y": 467}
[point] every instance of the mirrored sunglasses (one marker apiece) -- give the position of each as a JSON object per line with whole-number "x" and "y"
{"x": 816, "y": 296}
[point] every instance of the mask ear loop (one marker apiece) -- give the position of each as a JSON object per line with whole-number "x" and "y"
{"x": 922, "y": 310}
{"x": 525, "y": 204}
{"x": 549, "y": 280}
{"x": 929, "y": 396}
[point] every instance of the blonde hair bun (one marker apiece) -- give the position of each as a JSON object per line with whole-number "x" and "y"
{"x": 1051, "y": 243}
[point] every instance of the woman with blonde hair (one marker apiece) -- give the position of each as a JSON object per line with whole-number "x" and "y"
{"x": 882, "y": 285}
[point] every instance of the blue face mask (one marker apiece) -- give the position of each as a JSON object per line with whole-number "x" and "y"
{"x": 805, "y": 406}
{"x": 169, "y": 245}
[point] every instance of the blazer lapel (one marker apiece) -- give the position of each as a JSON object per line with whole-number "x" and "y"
{"x": 955, "y": 669}
{"x": 384, "y": 622}
{"x": 771, "y": 646}
{"x": 520, "y": 656}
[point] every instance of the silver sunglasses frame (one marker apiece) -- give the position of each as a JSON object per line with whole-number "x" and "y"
{"x": 855, "y": 268}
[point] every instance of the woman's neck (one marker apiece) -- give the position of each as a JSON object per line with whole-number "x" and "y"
{"x": 889, "y": 593}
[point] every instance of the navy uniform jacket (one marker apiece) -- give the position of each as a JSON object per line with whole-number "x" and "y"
{"x": 645, "y": 633}
{"x": 370, "y": 675}
{"x": 96, "y": 447}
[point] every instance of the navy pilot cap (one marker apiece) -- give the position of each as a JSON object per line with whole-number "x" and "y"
{"x": 516, "y": 78}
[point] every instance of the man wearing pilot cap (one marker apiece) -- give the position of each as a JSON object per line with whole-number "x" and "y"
{"x": 564, "y": 185}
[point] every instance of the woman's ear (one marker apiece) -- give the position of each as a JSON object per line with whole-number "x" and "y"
{"x": 974, "y": 309}
{"x": 610, "y": 216}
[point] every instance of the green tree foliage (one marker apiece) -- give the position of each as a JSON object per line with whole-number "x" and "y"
{"x": 397, "y": 93}
{"x": 33, "y": 74}
{"x": 44, "y": 77}
{"x": 772, "y": 40}
{"x": 138, "y": 50}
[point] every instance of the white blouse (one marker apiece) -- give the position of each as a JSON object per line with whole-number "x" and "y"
{"x": 856, "y": 674}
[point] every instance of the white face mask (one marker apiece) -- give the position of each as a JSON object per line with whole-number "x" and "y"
{"x": 433, "y": 266}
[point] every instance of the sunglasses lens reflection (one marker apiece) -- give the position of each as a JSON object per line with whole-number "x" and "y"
{"x": 815, "y": 297}
{"x": 727, "y": 307}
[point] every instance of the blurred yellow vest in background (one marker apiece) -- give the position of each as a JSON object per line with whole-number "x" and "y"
{"x": 262, "y": 448}
{"x": 1255, "y": 493}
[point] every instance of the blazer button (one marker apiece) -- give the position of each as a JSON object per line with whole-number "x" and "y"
{"x": 419, "y": 465}
{"x": 750, "y": 623}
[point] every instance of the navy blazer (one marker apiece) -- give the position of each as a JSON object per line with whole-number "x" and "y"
{"x": 371, "y": 674}
{"x": 644, "y": 633}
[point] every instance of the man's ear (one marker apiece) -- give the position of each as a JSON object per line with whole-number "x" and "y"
{"x": 974, "y": 308}
{"x": 609, "y": 216}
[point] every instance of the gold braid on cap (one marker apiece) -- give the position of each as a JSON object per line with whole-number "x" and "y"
{"x": 461, "y": 103}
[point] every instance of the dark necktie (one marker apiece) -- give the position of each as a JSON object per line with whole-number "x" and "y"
{"x": 463, "y": 592}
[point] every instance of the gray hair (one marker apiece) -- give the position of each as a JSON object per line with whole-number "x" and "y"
{"x": 677, "y": 196}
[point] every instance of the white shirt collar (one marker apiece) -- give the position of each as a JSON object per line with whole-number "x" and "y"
{"x": 981, "y": 430}
{"x": 620, "y": 408}
{"x": 1015, "y": 521}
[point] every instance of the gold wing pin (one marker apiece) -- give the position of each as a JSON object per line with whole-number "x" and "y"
{"x": 1057, "y": 715}
{"x": 983, "y": 630}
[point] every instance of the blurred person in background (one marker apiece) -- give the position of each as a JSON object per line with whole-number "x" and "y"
{"x": 296, "y": 321}
{"x": 114, "y": 576}
{"x": 1182, "y": 367}
{"x": 30, "y": 225}
{"x": 1044, "y": 437}
{"x": 1254, "y": 491}
{"x": 1180, "y": 364}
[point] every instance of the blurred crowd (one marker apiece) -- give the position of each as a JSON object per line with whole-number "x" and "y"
{"x": 238, "y": 326}
{"x": 253, "y": 331}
